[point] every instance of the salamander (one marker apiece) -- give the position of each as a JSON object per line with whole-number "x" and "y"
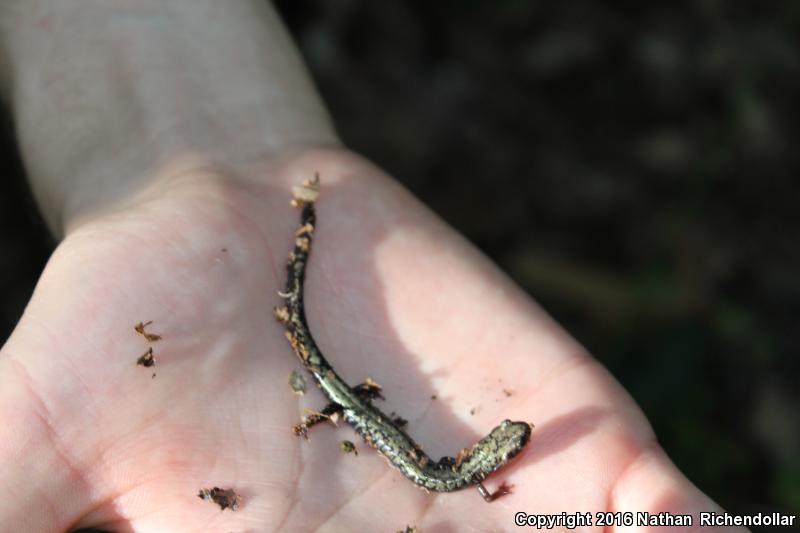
{"x": 354, "y": 404}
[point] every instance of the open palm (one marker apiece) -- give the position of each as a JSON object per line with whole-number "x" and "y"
{"x": 392, "y": 294}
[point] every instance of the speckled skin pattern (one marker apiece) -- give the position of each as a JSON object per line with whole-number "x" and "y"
{"x": 377, "y": 429}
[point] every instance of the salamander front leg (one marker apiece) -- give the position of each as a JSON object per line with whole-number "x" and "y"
{"x": 366, "y": 391}
{"x": 312, "y": 419}
{"x": 502, "y": 490}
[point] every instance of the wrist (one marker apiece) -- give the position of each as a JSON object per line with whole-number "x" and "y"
{"x": 108, "y": 94}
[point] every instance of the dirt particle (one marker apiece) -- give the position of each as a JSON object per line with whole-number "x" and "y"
{"x": 147, "y": 359}
{"x": 149, "y": 337}
{"x": 297, "y": 382}
{"x": 225, "y": 498}
{"x": 348, "y": 447}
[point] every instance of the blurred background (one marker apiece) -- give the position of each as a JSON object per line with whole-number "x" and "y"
{"x": 631, "y": 165}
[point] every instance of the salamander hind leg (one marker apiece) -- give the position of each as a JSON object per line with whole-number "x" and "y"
{"x": 446, "y": 463}
{"x": 501, "y": 491}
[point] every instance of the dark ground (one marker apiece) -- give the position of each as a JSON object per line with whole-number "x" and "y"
{"x": 632, "y": 167}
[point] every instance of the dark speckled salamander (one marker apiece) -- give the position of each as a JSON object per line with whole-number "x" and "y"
{"x": 354, "y": 404}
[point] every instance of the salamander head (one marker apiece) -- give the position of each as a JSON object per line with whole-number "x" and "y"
{"x": 502, "y": 444}
{"x": 511, "y": 437}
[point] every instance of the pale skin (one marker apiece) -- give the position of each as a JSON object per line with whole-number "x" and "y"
{"x": 162, "y": 149}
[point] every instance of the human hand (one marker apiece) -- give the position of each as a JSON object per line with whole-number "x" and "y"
{"x": 392, "y": 293}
